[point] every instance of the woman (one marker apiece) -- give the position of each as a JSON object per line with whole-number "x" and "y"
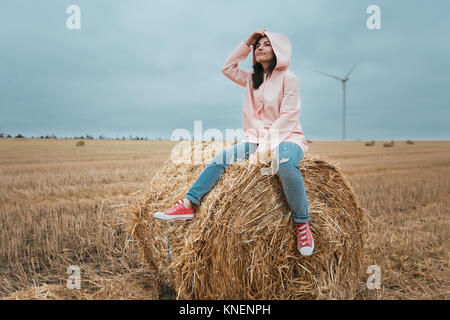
{"x": 270, "y": 120}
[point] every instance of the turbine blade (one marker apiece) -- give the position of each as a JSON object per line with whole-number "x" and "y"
{"x": 346, "y": 76}
{"x": 330, "y": 75}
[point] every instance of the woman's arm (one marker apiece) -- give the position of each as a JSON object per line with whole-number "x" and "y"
{"x": 288, "y": 118}
{"x": 230, "y": 67}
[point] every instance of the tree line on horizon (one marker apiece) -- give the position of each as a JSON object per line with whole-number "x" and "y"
{"x": 100, "y": 137}
{"x": 86, "y": 137}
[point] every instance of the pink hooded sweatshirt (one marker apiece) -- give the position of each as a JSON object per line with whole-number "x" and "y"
{"x": 275, "y": 105}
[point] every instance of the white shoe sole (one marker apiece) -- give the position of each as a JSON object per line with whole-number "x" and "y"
{"x": 162, "y": 216}
{"x": 306, "y": 252}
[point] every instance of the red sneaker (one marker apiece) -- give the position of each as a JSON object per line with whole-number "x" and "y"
{"x": 177, "y": 212}
{"x": 305, "y": 241}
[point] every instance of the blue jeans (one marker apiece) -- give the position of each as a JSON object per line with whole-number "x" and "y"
{"x": 288, "y": 171}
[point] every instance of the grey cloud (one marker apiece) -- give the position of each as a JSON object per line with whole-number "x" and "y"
{"x": 149, "y": 67}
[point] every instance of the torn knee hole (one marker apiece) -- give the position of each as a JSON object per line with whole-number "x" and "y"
{"x": 284, "y": 160}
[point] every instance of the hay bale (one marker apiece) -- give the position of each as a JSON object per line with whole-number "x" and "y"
{"x": 242, "y": 243}
{"x": 369, "y": 143}
{"x": 409, "y": 142}
{"x": 389, "y": 144}
{"x": 80, "y": 143}
{"x": 132, "y": 286}
{"x": 47, "y": 292}
{"x": 309, "y": 141}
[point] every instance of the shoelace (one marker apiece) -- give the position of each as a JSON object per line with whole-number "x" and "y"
{"x": 177, "y": 206}
{"x": 303, "y": 235}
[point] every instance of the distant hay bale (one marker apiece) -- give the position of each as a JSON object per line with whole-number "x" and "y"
{"x": 309, "y": 141}
{"x": 389, "y": 144}
{"x": 80, "y": 143}
{"x": 409, "y": 142}
{"x": 242, "y": 243}
{"x": 369, "y": 143}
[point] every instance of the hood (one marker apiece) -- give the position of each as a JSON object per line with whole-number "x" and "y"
{"x": 281, "y": 47}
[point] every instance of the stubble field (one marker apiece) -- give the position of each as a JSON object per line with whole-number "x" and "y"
{"x": 63, "y": 205}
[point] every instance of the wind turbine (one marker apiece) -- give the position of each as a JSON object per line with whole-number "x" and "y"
{"x": 343, "y": 80}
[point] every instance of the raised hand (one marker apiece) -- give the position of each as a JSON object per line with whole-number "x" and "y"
{"x": 255, "y": 35}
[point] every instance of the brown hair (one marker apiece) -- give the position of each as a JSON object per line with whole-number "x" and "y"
{"x": 258, "y": 70}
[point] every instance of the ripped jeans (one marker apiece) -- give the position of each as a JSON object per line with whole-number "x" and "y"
{"x": 289, "y": 156}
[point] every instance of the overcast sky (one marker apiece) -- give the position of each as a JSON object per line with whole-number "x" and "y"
{"x": 148, "y": 67}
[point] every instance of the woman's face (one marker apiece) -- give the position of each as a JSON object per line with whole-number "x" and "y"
{"x": 263, "y": 51}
